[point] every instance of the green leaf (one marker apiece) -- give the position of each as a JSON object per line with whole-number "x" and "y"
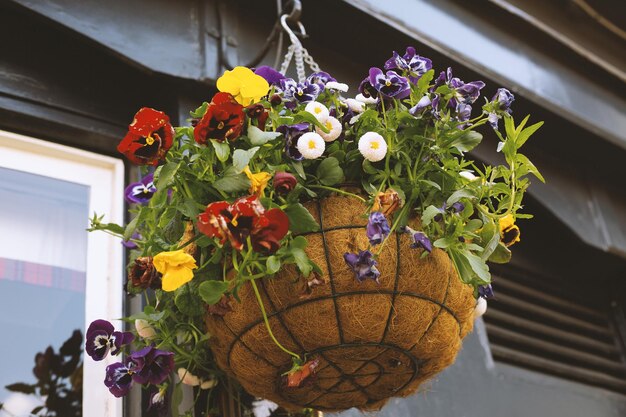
{"x": 424, "y": 81}
{"x": 299, "y": 242}
{"x": 459, "y": 194}
{"x": 177, "y": 399}
{"x": 529, "y": 166}
{"x": 189, "y": 208}
{"x": 509, "y": 127}
{"x": 462, "y": 266}
{"x": 444, "y": 242}
{"x": 479, "y": 266}
{"x": 467, "y": 141}
{"x": 165, "y": 175}
{"x": 259, "y": 137}
{"x": 431, "y": 183}
{"x": 368, "y": 167}
{"x": 211, "y": 291}
{"x": 501, "y": 255}
{"x": 199, "y": 112}
{"x": 491, "y": 235}
{"x": 300, "y": 220}
{"x": 241, "y": 158}
{"x": 329, "y": 172}
{"x": 302, "y": 261}
{"x": 21, "y": 387}
{"x": 297, "y": 166}
{"x": 232, "y": 182}
{"x": 222, "y": 149}
{"x": 473, "y": 225}
{"x": 272, "y": 264}
{"x": 306, "y": 117}
{"x": 526, "y": 133}
{"x": 187, "y": 302}
{"x": 429, "y": 214}
{"x": 132, "y": 225}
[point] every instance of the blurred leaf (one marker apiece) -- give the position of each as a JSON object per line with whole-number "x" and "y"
{"x": 429, "y": 214}
{"x": 300, "y": 219}
{"x": 329, "y": 172}
{"x": 21, "y": 387}
{"x": 501, "y": 255}
{"x": 222, "y": 149}
{"x": 187, "y": 302}
{"x": 164, "y": 175}
{"x": 272, "y": 264}
{"x": 468, "y": 141}
{"x": 211, "y": 291}
{"x": 241, "y": 158}
{"x": 259, "y": 137}
{"x": 232, "y": 182}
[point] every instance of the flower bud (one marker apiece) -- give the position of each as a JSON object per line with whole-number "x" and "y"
{"x": 284, "y": 182}
{"x": 144, "y": 329}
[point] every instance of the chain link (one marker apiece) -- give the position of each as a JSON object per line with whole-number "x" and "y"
{"x": 297, "y": 51}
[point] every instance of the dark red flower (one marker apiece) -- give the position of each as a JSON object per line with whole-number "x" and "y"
{"x": 149, "y": 137}
{"x": 259, "y": 113}
{"x": 223, "y": 120}
{"x": 245, "y": 217}
{"x": 143, "y": 274}
{"x": 284, "y": 182}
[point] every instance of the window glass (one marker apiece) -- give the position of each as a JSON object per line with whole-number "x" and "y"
{"x": 43, "y": 253}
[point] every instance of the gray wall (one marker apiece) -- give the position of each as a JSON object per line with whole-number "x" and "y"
{"x": 475, "y": 386}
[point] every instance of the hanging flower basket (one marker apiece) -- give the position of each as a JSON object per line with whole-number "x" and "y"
{"x": 370, "y": 341}
{"x": 315, "y": 294}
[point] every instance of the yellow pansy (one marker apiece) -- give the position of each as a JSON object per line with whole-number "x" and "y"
{"x": 258, "y": 182}
{"x": 509, "y": 232}
{"x": 244, "y": 85}
{"x": 176, "y": 268}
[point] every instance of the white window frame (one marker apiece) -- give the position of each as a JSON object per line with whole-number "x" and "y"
{"x": 104, "y": 276}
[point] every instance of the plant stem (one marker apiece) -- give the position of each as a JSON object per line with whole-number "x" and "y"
{"x": 323, "y": 187}
{"x": 267, "y": 323}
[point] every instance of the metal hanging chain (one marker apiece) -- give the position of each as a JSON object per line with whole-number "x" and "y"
{"x": 297, "y": 51}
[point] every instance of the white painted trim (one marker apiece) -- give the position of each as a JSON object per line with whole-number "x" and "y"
{"x": 104, "y": 279}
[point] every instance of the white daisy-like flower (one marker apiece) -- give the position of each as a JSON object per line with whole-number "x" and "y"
{"x": 311, "y": 145}
{"x": 187, "y": 377}
{"x": 372, "y": 146}
{"x": 334, "y": 85}
{"x": 481, "y": 307}
{"x": 144, "y": 329}
{"x": 318, "y": 110}
{"x": 367, "y": 100}
{"x": 334, "y": 127}
{"x": 355, "y": 105}
{"x": 468, "y": 175}
{"x": 263, "y": 408}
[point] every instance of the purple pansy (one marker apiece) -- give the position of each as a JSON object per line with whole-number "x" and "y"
{"x": 291, "y": 134}
{"x": 466, "y": 93}
{"x": 363, "y": 265}
{"x": 420, "y": 106}
{"x": 389, "y": 84}
{"x": 320, "y": 78}
{"x": 420, "y": 240}
{"x": 101, "y": 338}
{"x": 377, "y": 228}
{"x": 272, "y": 76}
{"x": 412, "y": 63}
{"x": 150, "y": 365}
{"x": 367, "y": 89}
{"x": 141, "y": 192}
{"x": 118, "y": 379}
{"x": 500, "y": 104}
{"x": 303, "y": 92}
{"x": 485, "y": 291}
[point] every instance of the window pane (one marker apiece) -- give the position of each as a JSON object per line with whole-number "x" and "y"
{"x": 42, "y": 276}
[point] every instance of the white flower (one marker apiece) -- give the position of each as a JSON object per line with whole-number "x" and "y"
{"x": 318, "y": 110}
{"x": 468, "y": 175}
{"x": 481, "y": 307}
{"x": 355, "y": 105}
{"x": 263, "y": 408}
{"x": 334, "y": 85}
{"x": 188, "y": 378}
{"x": 372, "y": 146}
{"x": 334, "y": 127}
{"x": 367, "y": 100}
{"x": 311, "y": 145}
{"x": 144, "y": 329}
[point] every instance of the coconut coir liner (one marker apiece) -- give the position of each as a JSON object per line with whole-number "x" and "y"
{"x": 373, "y": 341}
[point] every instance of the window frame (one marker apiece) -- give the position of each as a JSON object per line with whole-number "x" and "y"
{"x": 104, "y": 273}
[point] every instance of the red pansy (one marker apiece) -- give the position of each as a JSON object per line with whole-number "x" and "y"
{"x": 149, "y": 137}
{"x": 245, "y": 217}
{"x": 223, "y": 120}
